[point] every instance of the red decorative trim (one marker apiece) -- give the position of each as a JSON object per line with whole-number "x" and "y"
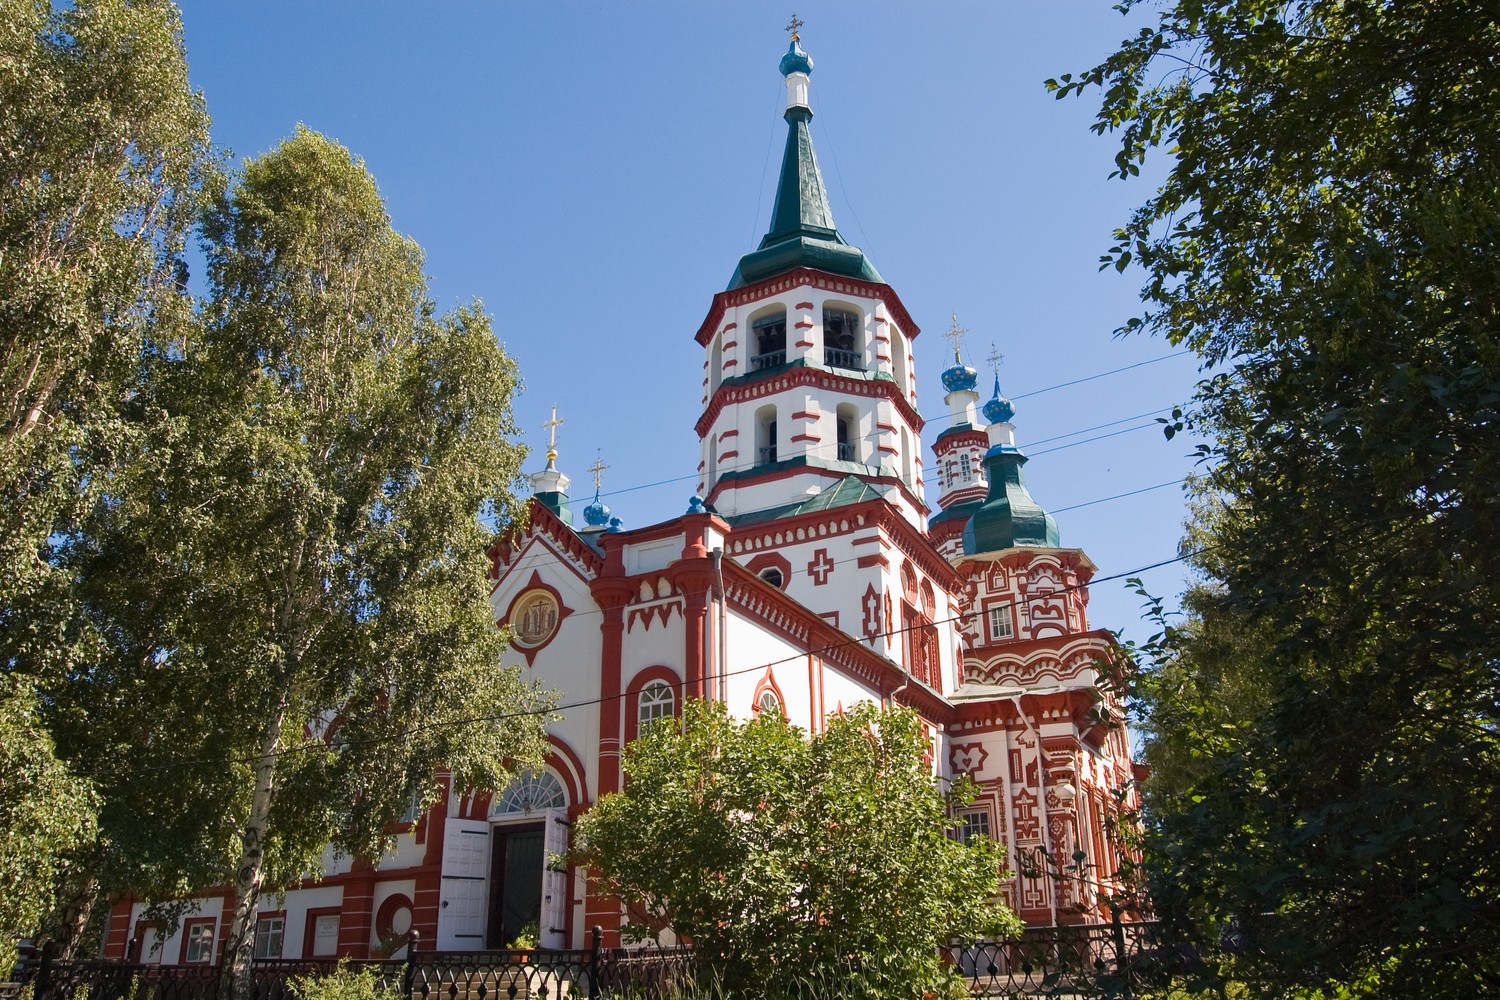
{"x": 563, "y": 611}
{"x": 546, "y": 525}
{"x": 771, "y": 560}
{"x": 730, "y": 326}
{"x": 187, "y": 932}
{"x": 730, "y": 362}
{"x": 796, "y": 278}
{"x": 803, "y": 305}
{"x": 829, "y": 474}
{"x": 802, "y": 325}
{"x": 569, "y": 769}
{"x": 819, "y": 378}
{"x": 806, "y": 415}
{"x": 310, "y": 929}
{"x": 385, "y": 917}
{"x": 768, "y": 683}
{"x": 806, "y": 437}
{"x": 879, "y": 319}
{"x": 888, "y": 449}
{"x": 865, "y": 562}
{"x": 803, "y": 343}
{"x": 633, "y": 696}
{"x": 732, "y": 432}
{"x": 729, "y": 345}
{"x": 728, "y": 455}
{"x": 886, "y": 427}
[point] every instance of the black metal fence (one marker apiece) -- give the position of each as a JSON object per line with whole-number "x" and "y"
{"x": 1123, "y": 959}
{"x": 592, "y": 973}
{"x": 1104, "y": 961}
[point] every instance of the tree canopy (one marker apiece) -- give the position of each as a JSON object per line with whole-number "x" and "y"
{"x": 243, "y": 591}
{"x": 1325, "y": 239}
{"x": 797, "y": 865}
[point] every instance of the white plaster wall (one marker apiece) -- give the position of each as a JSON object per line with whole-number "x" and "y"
{"x": 297, "y": 903}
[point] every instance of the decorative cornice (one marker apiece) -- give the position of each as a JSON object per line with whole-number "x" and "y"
{"x": 745, "y": 388}
{"x": 795, "y": 278}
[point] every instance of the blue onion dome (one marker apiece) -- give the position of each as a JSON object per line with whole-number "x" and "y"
{"x": 999, "y": 410}
{"x": 795, "y": 60}
{"x": 960, "y": 377}
{"x": 596, "y": 514}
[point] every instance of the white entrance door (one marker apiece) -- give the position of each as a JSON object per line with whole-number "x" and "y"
{"x": 465, "y": 885}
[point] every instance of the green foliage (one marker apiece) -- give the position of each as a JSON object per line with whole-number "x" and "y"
{"x": 103, "y": 148}
{"x": 45, "y": 811}
{"x": 1330, "y": 715}
{"x": 798, "y": 866}
{"x": 343, "y": 983}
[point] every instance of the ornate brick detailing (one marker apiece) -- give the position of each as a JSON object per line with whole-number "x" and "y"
{"x": 820, "y": 567}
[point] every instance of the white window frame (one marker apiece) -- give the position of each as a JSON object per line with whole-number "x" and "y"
{"x": 267, "y": 931}
{"x": 1002, "y": 623}
{"x": 200, "y": 944}
{"x": 656, "y": 701}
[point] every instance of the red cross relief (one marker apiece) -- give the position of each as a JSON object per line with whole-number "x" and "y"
{"x": 820, "y": 567}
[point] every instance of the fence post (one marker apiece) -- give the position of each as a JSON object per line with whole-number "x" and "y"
{"x": 597, "y": 934}
{"x": 1118, "y": 928}
{"x": 409, "y": 974}
{"x": 44, "y": 970}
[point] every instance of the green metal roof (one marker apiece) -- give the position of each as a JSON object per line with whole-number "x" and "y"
{"x": 1009, "y": 517}
{"x": 849, "y": 490}
{"x": 803, "y": 233}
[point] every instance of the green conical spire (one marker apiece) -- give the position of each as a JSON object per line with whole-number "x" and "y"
{"x": 1009, "y": 517}
{"x": 803, "y": 233}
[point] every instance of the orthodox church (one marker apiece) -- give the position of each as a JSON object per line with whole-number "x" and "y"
{"x": 810, "y": 573}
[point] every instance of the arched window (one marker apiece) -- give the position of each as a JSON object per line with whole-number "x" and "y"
{"x": 530, "y": 792}
{"x": 843, "y": 341}
{"x": 769, "y": 703}
{"x": 657, "y": 701}
{"x": 848, "y": 432}
{"x": 765, "y": 435}
{"x": 768, "y": 340}
{"x": 898, "y": 361}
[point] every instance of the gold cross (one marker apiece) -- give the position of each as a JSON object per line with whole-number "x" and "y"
{"x": 956, "y": 335}
{"x": 598, "y": 470}
{"x": 994, "y": 359}
{"x": 552, "y": 426}
{"x": 792, "y": 26}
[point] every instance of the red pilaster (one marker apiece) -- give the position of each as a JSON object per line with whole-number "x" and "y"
{"x": 611, "y": 591}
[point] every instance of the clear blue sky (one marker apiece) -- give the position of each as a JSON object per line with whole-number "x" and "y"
{"x": 593, "y": 171}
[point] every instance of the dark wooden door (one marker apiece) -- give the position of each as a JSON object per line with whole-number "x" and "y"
{"x": 515, "y": 882}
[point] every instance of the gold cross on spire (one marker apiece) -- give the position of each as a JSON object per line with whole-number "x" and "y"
{"x": 598, "y": 470}
{"x": 552, "y": 426}
{"x": 956, "y": 335}
{"x": 994, "y": 359}
{"x": 794, "y": 25}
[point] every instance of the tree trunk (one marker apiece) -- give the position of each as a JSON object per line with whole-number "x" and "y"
{"x": 75, "y": 907}
{"x": 249, "y": 872}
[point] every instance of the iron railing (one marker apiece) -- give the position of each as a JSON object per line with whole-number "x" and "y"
{"x": 771, "y": 359}
{"x": 1122, "y": 959}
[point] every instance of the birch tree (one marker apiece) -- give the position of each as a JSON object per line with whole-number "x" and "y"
{"x": 306, "y": 523}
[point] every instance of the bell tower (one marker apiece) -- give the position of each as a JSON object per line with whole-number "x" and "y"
{"x": 808, "y": 375}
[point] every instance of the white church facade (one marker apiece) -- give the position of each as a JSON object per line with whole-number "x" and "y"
{"x": 809, "y": 574}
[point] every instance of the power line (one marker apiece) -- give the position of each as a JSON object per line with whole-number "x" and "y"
{"x": 410, "y": 732}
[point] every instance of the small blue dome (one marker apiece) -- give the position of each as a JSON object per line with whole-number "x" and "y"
{"x": 596, "y": 514}
{"x": 999, "y": 410}
{"x": 960, "y": 378}
{"x": 795, "y": 60}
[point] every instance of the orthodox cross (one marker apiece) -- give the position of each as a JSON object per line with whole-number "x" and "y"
{"x": 793, "y": 25}
{"x": 598, "y": 470}
{"x": 552, "y": 426}
{"x": 956, "y": 336}
{"x": 994, "y": 359}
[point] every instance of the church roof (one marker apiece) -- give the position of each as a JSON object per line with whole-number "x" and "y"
{"x": 849, "y": 490}
{"x": 1009, "y": 517}
{"x": 802, "y": 233}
